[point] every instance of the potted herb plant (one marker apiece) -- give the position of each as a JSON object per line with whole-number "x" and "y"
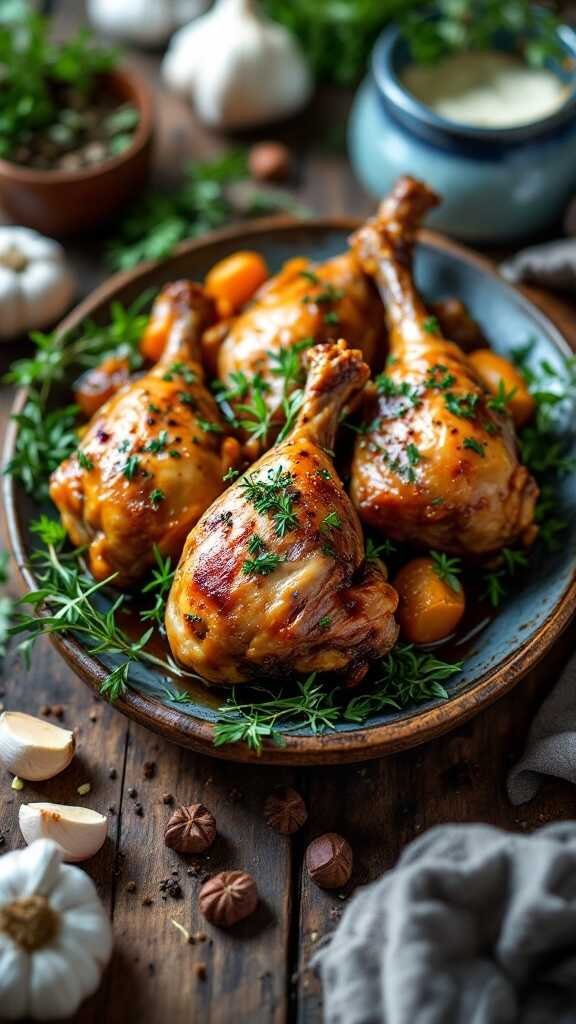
{"x": 75, "y": 128}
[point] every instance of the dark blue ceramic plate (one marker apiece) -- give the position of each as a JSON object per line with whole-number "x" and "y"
{"x": 500, "y": 653}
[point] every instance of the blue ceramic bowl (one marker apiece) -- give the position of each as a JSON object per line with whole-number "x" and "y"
{"x": 496, "y": 184}
{"x": 495, "y": 659}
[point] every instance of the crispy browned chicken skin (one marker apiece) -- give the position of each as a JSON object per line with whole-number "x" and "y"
{"x": 304, "y": 303}
{"x": 149, "y": 463}
{"x": 437, "y": 466}
{"x": 273, "y": 578}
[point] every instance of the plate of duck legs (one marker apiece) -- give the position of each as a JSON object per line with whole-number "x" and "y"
{"x": 303, "y": 492}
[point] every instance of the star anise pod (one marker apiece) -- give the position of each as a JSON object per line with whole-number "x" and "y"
{"x": 285, "y": 810}
{"x": 228, "y": 897}
{"x": 191, "y": 829}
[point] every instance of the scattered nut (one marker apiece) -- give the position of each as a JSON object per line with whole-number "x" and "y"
{"x": 191, "y": 829}
{"x": 329, "y": 861}
{"x": 167, "y": 798}
{"x": 84, "y": 789}
{"x": 228, "y": 897}
{"x": 285, "y": 810}
{"x": 269, "y": 161}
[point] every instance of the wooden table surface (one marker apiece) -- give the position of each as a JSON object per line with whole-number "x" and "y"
{"x": 258, "y": 972}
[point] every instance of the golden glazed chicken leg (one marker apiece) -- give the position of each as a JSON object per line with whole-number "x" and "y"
{"x": 273, "y": 577}
{"x": 149, "y": 463}
{"x": 303, "y": 305}
{"x": 438, "y": 465}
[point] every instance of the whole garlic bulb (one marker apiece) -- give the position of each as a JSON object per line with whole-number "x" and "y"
{"x": 239, "y": 68}
{"x": 36, "y": 285}
{"x": 34, "y": 749}
{"x": 78, "y": 831}
{"x": 143, "y": 22}
{"x": 55, "y": 936}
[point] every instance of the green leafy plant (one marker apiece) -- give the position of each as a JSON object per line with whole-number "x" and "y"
{"x": 32, "y": 68}
{"x": 450, "y": 26}
{"x": 46, "y": 436}
{"x": 406, "y": 677}
{"x": 6, "y": 604}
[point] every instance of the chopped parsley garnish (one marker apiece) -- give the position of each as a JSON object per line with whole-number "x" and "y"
{"x": 324, "y": 474}
{"x": 310, "y": 276}
{"x": 264, "y": 563}
{"x": 230, "y": 474}
{"x": 157, "y": 444}
{"x": 124, "y": 445}
{"x": 447, "y": 569}
{"x": 187, "y": 399}
{"x": 325, "y": 622}
{"x": 328, "y": 294}
{"x": 414, "y": 456}
{"x": 255, "y": 544}
{"x": 156, "y": 497}
{"x": 463, "y": 406}
{"x": 331, "y": 521}
{"x": 174, "y": 454}
{"x": 180, "y": 370}
{"x": 84, "y": 461}
{"x": 375, "y": 551}
{"x": 501, "y": 400}
{"x": 273, "y": 496}
{"x": 154, "y": 408}
{"x": 130, "y": 467}
{"x": 439, "y": 377}
{"x": 474, "y": 446}
{"x": 431, "y": 325}
{"x": 331, "y": 317}
{"x": 208, "y": 426}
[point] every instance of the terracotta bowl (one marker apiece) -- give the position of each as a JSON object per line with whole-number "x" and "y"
{"x": 62, "y": 203}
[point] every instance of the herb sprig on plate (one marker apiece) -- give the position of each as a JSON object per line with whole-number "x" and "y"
{"x": 47, "y": 436}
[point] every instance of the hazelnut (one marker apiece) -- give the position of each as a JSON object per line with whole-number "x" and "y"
{"x": 285, "y": 810}
{"x": 228, "y": 897}
{"x": 191, "y": 829}
{"x": 269, "y": 161}
{"x": 329, "y": 861}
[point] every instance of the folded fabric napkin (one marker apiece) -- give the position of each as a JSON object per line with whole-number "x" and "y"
{"x": 551, "y": 265}
{"x": 551, "y": 744}
{"x": 473, "y": 926}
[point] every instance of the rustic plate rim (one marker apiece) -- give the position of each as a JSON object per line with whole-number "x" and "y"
{"x": 358, "y": 745}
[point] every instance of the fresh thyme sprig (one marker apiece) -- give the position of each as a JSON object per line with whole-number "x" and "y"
{"x": 66, "y": 601}
{"x": 447, "y": 569}
{"x": 159, "y": 586}
{"x": 407, "y": 677}
{"x": 6, "y": 604}
{"x": 47, "y": 436}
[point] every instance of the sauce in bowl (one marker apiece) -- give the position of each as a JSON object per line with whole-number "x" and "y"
{"x": 486, "y": 89}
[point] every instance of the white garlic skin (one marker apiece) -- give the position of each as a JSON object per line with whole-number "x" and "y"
{"x": 34, "y": 749}
{"x": 239, "y": 68}
{"x": 145, "y": 23}
{"x": 78, "y": 831}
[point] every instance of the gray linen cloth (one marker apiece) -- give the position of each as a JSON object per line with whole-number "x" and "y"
{"x": 551, "y": 744}
{"x": 473, "y": 926}
{"x": 550, "y": 265}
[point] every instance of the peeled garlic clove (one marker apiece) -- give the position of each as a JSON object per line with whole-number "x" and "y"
{"x": 33, "y": 749}
{"x": 79, "y": 831}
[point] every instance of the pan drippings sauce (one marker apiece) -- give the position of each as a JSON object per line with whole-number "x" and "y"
{"x": 486, "y": 89}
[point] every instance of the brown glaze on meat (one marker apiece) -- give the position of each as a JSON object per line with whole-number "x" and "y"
{"x": 319, "y": 607}
{"x": 436, "y": 466}
{"x": 149, "y": 462}
{"x": 304, "y": 301}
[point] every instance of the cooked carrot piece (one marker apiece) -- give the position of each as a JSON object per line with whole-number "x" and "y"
{"x": 96, "y": 386}
{"x": 155, "y": 336}
{"x": 503, "y": 379}
{"x": 430, "y": 608}
{"x": 234, "y": 279}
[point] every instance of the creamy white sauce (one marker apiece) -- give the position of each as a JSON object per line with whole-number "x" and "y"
{"x": 485, "y": 89}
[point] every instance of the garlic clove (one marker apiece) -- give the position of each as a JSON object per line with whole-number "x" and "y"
{"x": 78, "y": 831}
{"x": 33, "y": 749}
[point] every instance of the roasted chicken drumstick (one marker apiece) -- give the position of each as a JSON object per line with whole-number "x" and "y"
{"x": 302, "y": 305}
{"x": 273, "y": 578}
{"x": 149, "y": 463}
{"x": 438, "y": 464}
